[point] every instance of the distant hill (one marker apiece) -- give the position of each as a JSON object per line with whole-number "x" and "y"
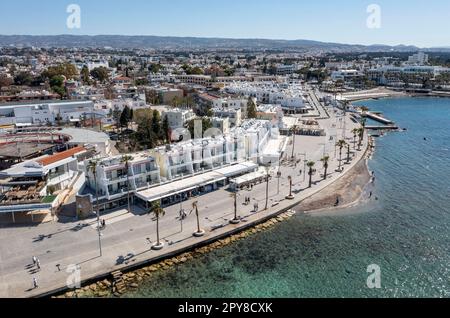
{"x": 162, "y": 42}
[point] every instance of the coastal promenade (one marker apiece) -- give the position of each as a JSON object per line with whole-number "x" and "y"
{"x": 127, "y": 239}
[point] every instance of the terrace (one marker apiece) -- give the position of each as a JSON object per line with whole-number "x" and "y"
{"x": 23, "y": 191}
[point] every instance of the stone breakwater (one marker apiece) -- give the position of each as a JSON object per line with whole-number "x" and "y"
{"x": 119, "y": 283}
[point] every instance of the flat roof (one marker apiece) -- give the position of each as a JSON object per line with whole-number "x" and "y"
{"x": 85, "y": 135}
{"x": 190, "y": 183}
{"x": 44, "y": 102}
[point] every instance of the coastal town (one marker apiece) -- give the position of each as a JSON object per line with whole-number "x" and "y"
{"x": 115, "y": 159}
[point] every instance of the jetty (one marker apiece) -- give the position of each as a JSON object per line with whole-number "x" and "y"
{"x": 377, "y": 117}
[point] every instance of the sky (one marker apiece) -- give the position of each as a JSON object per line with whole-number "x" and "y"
{"x": 424, "y": 23}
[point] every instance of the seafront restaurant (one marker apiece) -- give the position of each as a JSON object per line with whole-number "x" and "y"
{"x": 197, "y": 185}
{"x": 37, "y": 187}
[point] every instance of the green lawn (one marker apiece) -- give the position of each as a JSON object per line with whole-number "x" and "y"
{"x": 49, "y": 199}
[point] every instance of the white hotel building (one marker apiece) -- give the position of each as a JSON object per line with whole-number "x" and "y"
{"x": 289, "y": 96}
{"x": 176, "y": 172}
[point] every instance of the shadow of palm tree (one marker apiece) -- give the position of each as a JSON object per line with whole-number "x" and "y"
{"x": 124, "y": 259}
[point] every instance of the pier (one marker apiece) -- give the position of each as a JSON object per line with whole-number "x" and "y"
{"x": 388, "y": 127}
{"x": 378, "y": 118}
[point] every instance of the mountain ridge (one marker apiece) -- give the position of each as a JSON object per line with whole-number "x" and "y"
{"x": 174, "y": 42}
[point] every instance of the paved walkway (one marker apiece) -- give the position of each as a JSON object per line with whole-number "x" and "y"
{"x": 128, "y": 237}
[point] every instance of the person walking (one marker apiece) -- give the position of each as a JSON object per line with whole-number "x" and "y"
{"x": 34, "y": 260}
{"x": 38, "y": 264}
{"x": 35, "y": 284}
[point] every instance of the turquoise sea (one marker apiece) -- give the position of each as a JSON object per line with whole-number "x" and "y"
{"x": 406, "y": 231}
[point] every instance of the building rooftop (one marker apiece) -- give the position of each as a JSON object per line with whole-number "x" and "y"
{"x": 46, "y": 161}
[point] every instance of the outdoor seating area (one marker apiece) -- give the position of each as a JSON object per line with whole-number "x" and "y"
{"x": 311, "y": 128}
{"x": 22, "y": 191}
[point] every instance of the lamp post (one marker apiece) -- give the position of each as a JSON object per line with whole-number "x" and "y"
{"x": 304, "y": 165}
{"x": 267, "y": 184}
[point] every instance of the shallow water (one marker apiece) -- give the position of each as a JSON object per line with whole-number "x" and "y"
{"x": 405, "y": 232}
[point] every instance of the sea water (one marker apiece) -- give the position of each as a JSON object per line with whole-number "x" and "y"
{"x": 404, "y": 230}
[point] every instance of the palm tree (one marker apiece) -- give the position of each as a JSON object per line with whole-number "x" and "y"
{"x": 348, "y": 153}
{"x": 363, "y": 126}
{"x": 236, "y": 220}
{"x": 156, "y": 209}
{"x": 290, "y": 196}
{"x": 310, "y": 165}
{"x": 355, "y": 133}
{"x": 294, "y": 132}
{"x": 361, "y": 137}
{"x": 325, "y": 161}
{"x": 341, "y": 143}
{"x": 199, "y": 232}
{"x": 126, "y": 160}
{"x": 92, "y": 167}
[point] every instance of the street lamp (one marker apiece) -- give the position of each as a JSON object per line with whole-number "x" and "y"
{"x": 267, "y": 184}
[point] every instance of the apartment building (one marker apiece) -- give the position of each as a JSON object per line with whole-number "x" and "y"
{"x": 177, "y": 118}
{"x": 43, "y": 113}
{"x": 289, "y": 96}
{"x": 111, "y": 177}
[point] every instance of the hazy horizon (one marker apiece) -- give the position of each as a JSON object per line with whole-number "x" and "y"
{"x": 413, "y": 22}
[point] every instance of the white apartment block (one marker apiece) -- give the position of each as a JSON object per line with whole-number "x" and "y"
{"x": 418, "y": 59}
{"x": 222, "y": 124}
{"x": 43, "y": 113}
{"x": 346, "y": 75}
{"x": 112, "y": 175}
{"x": 177, "y": 118}
{"x": 234, "y": 115}
{"x": 289, "y": 96}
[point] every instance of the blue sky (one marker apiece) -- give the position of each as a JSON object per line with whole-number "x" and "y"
{"x": 417, "y": 22}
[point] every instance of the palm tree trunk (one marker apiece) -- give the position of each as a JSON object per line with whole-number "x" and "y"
{"x": 293, "y": 146}
{"x": 198, "y": 221}
{"x": 235, "y": 206}
{"x": 128, "y": 192}
{"x": 310, "y": 178}
{"x": 157, "y": 230}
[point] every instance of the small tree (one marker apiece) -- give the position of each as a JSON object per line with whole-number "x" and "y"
{"x": 159, "y": 212}
{"x": 310, "y": 165}
{"x": 199, "y": 232}
{"x": 325, "y": 161}
{"x": 251, "y": 108}
{"x": 341, "y": 143}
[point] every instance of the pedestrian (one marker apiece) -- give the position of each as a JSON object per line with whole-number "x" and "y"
{"x": 370, "y": 194}
{"x": 38, "y": 264}
{"x": 35, "y": 284}
{"x": 34, "y": 260}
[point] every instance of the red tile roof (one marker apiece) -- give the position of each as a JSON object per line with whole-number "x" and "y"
{"x": 60, "y": 156}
